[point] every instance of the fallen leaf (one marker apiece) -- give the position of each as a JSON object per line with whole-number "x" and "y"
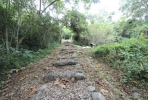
{"x": 57, "y": 81}
{"x": 97, "y": 66}
{"x": 22, "y": 78}
{"x": 65, "y": 79}
{"x": 33, "y": 88}
{"x": 45, "y": 68}
{"x": 35, "y": 76}
{"x": 4, "y": 89}
{"x": 73, "y": 80}
{"x": 62, "y": 85}
{"x": 99, "y": 81}
{"x": 10, "y": 94}
{"x": 104, "y": 92}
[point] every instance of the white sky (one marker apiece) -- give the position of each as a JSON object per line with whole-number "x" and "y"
{"x": 108, "y": 5}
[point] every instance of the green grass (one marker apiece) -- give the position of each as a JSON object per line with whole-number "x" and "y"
{"x": 130, "y": 56}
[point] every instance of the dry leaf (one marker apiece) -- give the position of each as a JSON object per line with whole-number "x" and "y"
{"x": 99, "y": 81}
{"x": 62, "y": 85}
{"x": 33, "y": 89}
{"x": 56, "y": 82}
{"x": 35, "y": 76}
{"x": 73, "y": 80}
{"x": 45, "y": 68}
{"x": 22, "y": 78}
{"x": 4, "y": 89}
{"x": 104, "y": 92}
{"x": 97, "y": 66}
{"x": 10, "y": 94}
{"x": 65, "y": 80}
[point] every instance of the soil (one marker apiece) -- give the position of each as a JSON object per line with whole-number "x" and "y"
{"x": 25, "y": 82}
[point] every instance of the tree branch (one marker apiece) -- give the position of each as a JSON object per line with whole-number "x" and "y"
{"x": 31, "y": 25}
{"x": 49, "y": 5}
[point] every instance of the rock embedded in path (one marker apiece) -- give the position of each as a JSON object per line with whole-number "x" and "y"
{"x": 64, "y": 63}
{"x": 97, "y": 96}
{"x": 61, "y": 63}
{"x": 74, "y": 55}
{"x": 50, "y": 77}
{"x": 91, "y": 88}
{"x": 41, "y": 95}
{"x": 78, "y": 67}
{"x": 79, "y": 76}
{"x": 72, "y": 62}
{"x": 89, "y": 83}
{"x": 61, "y": 57}
{"x": 80, "y": 71}
{"x": 67, "y": 75}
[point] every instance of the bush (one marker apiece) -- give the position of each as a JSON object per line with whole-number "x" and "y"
{"x": 130, "y": 56}
{"x": 22, "y": 58}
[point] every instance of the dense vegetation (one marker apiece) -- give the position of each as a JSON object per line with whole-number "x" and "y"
{"x": 128, "y": 52}
{"x": 130, "y": 56}
{"x": 29, "y": 31}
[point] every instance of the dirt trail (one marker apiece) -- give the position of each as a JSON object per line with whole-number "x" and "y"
{"x": 66, "y": 74}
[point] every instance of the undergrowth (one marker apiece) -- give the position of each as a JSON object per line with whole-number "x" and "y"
{"x": 21, "y": 58}
{"x": 130, "y": 56}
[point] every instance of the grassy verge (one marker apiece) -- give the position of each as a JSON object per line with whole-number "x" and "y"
{"x": 130, "y": 56}
{"x": 20, "y": 59}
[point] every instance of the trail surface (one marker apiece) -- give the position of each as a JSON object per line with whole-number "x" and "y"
{"x": 66, "y": 74}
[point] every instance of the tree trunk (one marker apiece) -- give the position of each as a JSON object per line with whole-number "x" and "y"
{"x": 7, "y": 43}
{"x": 18, "y": 28}
{"x": 6, "y": 27}
{"x": 60, "y": 33}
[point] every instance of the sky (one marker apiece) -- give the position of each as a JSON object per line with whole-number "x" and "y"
{"x": 108, "y": 5}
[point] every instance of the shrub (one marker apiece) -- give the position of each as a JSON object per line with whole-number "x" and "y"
{"x": 22, "y": 58}
{"x": 130, "y": 56}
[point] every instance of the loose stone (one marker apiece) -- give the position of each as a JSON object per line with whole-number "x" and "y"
{"x": 91, "y": 88}
{"x": 97, "y": 96}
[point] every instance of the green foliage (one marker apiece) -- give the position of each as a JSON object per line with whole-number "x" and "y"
{"x": 130, "y": 56}
{"x": 136, "y": 18}
{"x": 76, "y": 21}
{"x": 21, "y": 58}
{"x": 84, "y": 41}
{"x": 135, "y": 8}
{"x": 101, "y": 28}
{"x": 66, "y": 33}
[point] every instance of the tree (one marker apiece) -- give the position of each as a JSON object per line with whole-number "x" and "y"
{"x": 101, "y": 28}
{"x": 77, "y": 22}
{"x": 135, "y": 8}
{"x": 6, "y": 24}
{"x": 137, "y": 18}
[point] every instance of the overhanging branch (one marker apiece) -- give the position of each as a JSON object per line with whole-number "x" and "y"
{"x": 31, "y": 25}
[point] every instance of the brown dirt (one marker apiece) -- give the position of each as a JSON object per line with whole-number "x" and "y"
{"x": 24, "y": 83}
